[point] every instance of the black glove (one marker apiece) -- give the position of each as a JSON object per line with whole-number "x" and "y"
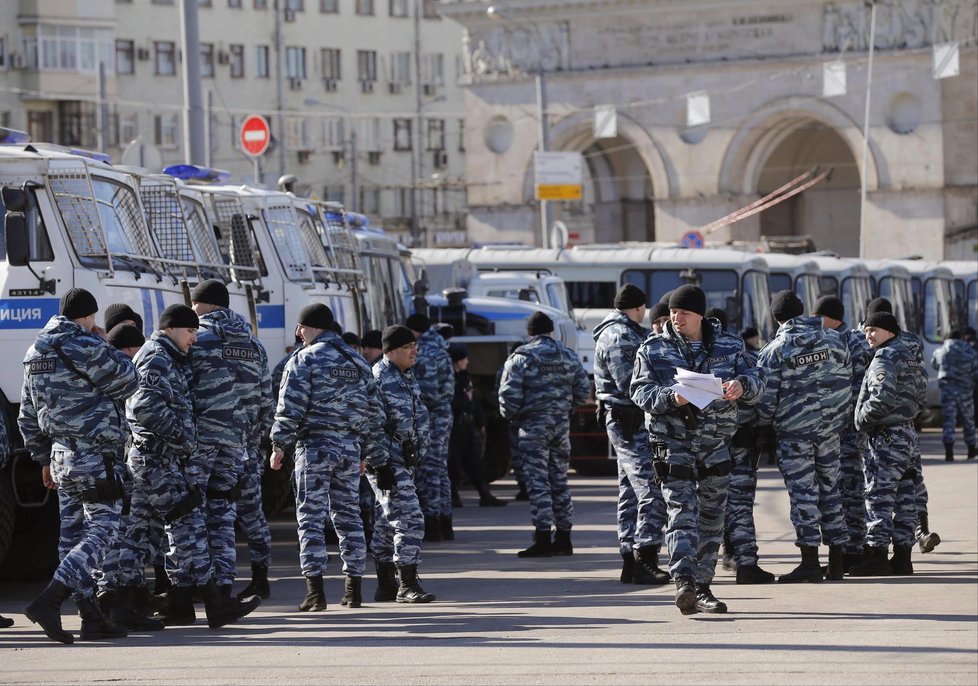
{"x": 385, "y": 478}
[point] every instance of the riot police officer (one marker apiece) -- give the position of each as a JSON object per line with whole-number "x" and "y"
{"x": 957, "y": 372}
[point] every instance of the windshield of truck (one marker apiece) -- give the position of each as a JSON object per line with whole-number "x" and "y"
{"x": 282, "y": 225}
{"x": 515, "y": 293}
{"x": 313, "y": 243}
{"x": 201, "y": 235}
{"x": 236, "y": 237}
{"x": 557, "y": 295}
{"x": 898, "y": 292}
{"x": 939, "y": 315}
{"x": 857, "y": 291}
{"x": 757, "y": 306}
{"x": 122, "y": 218}
{"x": 165, "y": 218}
{"x": 591, "y": 294}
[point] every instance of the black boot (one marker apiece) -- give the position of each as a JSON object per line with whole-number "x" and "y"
{"x": 728, "y": 554}
{"x": 627, "y": 567}
{"x": 432, "y": 530}
{"x": 926, "y": 539}
{"x": 753, "y": 574}
{"x": 222, "y": 609}
{"x": 147, "y": 603}
{"x": 808, "y": 571}
{"x": 95, "y": 626}
{"x": 179, "y": 609}
{"x": 387, "y": 584}
{"x": 125, "y": 611}
{"x": 410, "y": 590}
{"x": 900, "y": 563}
{"x": 874, "y": 563}
{"x": 161, "y": 582}
{"x": 315, "y": 599}
{"x": 562, "y": 543}
{"x": 686, "y": 595}
{"x": 949, "y": 451}
{"x": 45, "y": 610}
{"x": 456, "y": 498}
{"x": 707, "y": 602}
{"x": 352, "y": 596}
{"x": 447, "y": 531}
{"x": 836, "y": 570}
{"x": 542, "y": 547}
{"x": 6, "y": 622}
{"x": 850, "y": 560}
{"x": 487, "y": 499}
{"x": 972, "y": 452}
{"x": 259, "y": 583}
{"x": 647, "y": 570}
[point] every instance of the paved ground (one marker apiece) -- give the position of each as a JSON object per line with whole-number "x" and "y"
{"x": 501, "y": 620}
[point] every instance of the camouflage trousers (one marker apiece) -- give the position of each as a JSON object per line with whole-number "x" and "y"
{"x": 739, "y": 512}
{"x": 88, "y": 524}
{"x": 433, "y": 483}
{"x": 327, "y": 484}
{"x": 852, "y": 488}
{"x": 921, "y": 497}
{"x": 958, "y": 402}
{"x": 398, "y": 522}
{"x": 811, "y": 473}
{"x": 891, "y": 507}
{"x": 696, "y": 508}
{"x": 515, "y": 460}
{"x": 216, "y": 471}
{"x": 149, "y": 528}
{"x": 161, "y": 491}
{"x": 641, "y": 509}
{"x": 544, "y": 446}
{"x": 250, "y": 515}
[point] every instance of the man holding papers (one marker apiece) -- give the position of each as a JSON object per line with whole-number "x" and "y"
{"x": 688, "y": 380}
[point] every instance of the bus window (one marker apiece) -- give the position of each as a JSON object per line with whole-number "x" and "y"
{"x": 937, "y": 310}
{"x": 757, "y": 305}
{"x": 592, "y": 294}
{"x": 856, "y": 294}
{"x": 972, "y": 304}
{"x": 828, "y": 285}
{"x": 778, "y": 282}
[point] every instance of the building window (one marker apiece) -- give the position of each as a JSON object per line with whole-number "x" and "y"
{"x": 261, "y": 62}
{"x": 40, "y": 125}
{"x": 335, "y": 193}
{"x": 234, "y": 4}
{"x": 402, "y": 134}
{"x": 367, "y": 65}
{"x": 261, "y": 4}
{"x": 236, "y": 60}
{"x": 329, "y": 6}
{"x": 295, "y": 134}
{"x": 365, "y": 7}
{"x": 401, "y": 68}
{"x": 333, "y": 139}
{"x": 398, "y": 8}
{"x": 433, "y": 69}
{"x": 295, "y": 62}
{"x": 165, "y": 55}
{"x": 331, "y": 63}
{"x": 3, "y": 52}
{"x": 207, "y": 60}
{"x": 368, "y": 134}
{"x": 430, "y": 10}
{"x": 461, "y": 135}
{"x": 295, "y": 5}
{"x": 436, "y": 134}
{"x": 125, "y": 55}
{"x": 166, "y": 133}
{"x": 204, "y": 3}
{"x": 370, "y": 199}
{"x": 70, "y": 48}
{"x": 127, "y": 128}
{"x": 76, "y": 123}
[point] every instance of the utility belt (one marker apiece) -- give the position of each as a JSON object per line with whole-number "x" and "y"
{"x": 630, "y": 417}
{"x": 409, "y": 447}
{"x": 664, "y": 471}
{"x": 106, "y": 490}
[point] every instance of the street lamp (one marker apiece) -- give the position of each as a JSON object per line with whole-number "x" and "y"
{"x": 354, "y": 191}
{"x": 869, "y": 89}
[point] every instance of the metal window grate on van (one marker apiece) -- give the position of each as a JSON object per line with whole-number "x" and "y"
{"x": 73, "y": 195}
{"x": 287, "y": 240}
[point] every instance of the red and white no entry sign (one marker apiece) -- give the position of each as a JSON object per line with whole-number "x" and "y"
{"x": 255, "y": 135}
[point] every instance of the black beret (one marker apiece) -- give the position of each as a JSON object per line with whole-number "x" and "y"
{"x": 211, "y": 292}
{"x": 418, "y": 322}
{"x": 351, "y": 339}
{"x": 178, "y": 317}
{"x": 883, "y": 320}
{"x": 831, "y": 307}
{"x": 630, "y": 296}
{"x": 658, "y": 310}
{"x": 317, "y": 316}
{"x": 78, "y": 303}
{"x": 125, "y": 336}
{"x": 690, "y": 298}
{"x": 120, "y": 312}
{"x": 878, "y": 305}
{"x": 539, "y": 323}
{"x": 372, "y": 339}
{"x": 786, "y": 305}
{"x": 395, "y": 336}
{"x": 458, "y": 351}
{"x": 718, "y": 314}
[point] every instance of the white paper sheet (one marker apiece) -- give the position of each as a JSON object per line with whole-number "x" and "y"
{"x": 698, "y": 389}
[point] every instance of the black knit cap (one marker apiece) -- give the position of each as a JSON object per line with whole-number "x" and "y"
{"x": 786, "y": 305}
{"x": 178, "y": 317}
{"x": 883, "y": 320}
{"x": 317, "y": 316}
{"x": 878, "y": 305}
{"x": 539, "y": 323}
{"x": 125, "y": 336}
{"x": 418, "y": 322}
{"x": 458, "y": 351}
{"x": 630, "y": 296}
{"x": 395, "y": 336}
{"x": 690, "y": 298}
{"x": 211, "y": 292}
{"x": 120, "y": 312}
{"x": 658, "y": 310}
{"x": 831, "y": 307}
{"x": 719, "y": 315}
{"x": 78, "y": 303}
{"x": 665, "y": 298}
{"x": 372, "y": 339}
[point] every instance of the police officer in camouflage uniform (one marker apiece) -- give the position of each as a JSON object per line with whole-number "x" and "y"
{"x": 889, "y": 399}
{"x": 436, "y": 378}
{"x": 807, "y": 392}
{"x": 391, "y": 462}
{"x": 541, "y": 381}
{"x": 72, "y": 424}
{"x": 641, "y": 509}
{"x": 852, "y": 485}
{"x": 957, "y": 370}
{"x": 689, "y": 446}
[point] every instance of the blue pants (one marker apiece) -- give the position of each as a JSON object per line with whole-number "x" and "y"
{"x": 852, "y": 488}
{"x": 544, "y": 446}
{"x": 641, "y": 508}
{"x": 739, "y": 517}
{"x": 398, "y": 523}
{"x": 434, "y": 486}
{"x": 957, "y": 402}
{"x": 250, "y": 515}
{"x": 811, "y": 473}
{"x": 216, "y": 471}
{"x": 891, "y": 506}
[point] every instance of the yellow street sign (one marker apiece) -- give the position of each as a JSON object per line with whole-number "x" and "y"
{"x": 558, "y": 192}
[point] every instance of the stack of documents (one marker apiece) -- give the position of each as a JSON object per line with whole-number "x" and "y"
{"x": 698, "y": 389}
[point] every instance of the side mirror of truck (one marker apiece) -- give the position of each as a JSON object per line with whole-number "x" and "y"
{"x": 15, "y": 237}
{"x": 420, "y": 286}
{"x": 14, "y": 199}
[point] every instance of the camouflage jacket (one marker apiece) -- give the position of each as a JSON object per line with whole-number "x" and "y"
{"x": 74, "y": 383}
{"x": 957, "y": 364}
{"x": 616, "y": 340}
{"x": 892, "y": 388}
{"x": 542, "y": 377}
{"x": 404, "y": 414}
{"x": 433, "y": 370}
{"x": 326, "y": 388}
{"x": 656, "y": 363}
{"x": 859, "y": 355}
{"x": 161, "y": 413}
{"x": 807, "y": 381}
